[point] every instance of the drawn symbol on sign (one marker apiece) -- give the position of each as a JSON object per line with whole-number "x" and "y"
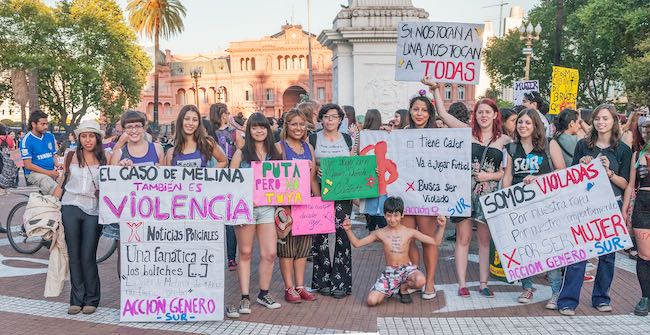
{"x": 590, "y": 186}
{"x": 511, "y": 258}
{"x": 371, "y": 181}
{"x": 409, "y": 186}
{"x": 325, "y": 189}
{"x": 134, "y": 231}
{"x": 124, "y": 277}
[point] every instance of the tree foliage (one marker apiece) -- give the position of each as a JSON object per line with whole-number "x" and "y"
{"x": 598, "y": 36}
{"x": 86, "y": 56}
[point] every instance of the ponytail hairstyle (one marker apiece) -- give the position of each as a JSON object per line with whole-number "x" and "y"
{"x": 563, "y": 120}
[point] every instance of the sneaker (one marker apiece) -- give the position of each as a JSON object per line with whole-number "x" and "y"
{"x": 231, "y": 312}
{"x": 589, "y": 279}
{"x": 486, "y": 292}
{"x": 339, "y": 294}
{"x": 268, "y": 302}
{"x": 552, "y": 303}
{"x": 232, "y": 265}
{"x": 291, "y": 296}
{"x": 526, "y": 296}
{"x": 463, "y": 292}
{"x": 567, "y": 312}
{"x": 326, "y": 291}
{"x": 88, "y": 309}
{"x": 245, "y": 306}
{"x": 641, "y": 308}
{"x": 604, "y": 308}
{"x": 305, "y": 295}
{"x": 590, "y": 267}
{"x": 430, "y": 295}
{"x": 72, "y": 310}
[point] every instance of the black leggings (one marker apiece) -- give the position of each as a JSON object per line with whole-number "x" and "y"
{"x": 82, "y": 235}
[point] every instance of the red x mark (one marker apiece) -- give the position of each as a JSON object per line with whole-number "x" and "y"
{"x": 511, "y": 258}
{"x": 134, "y": 233}
{"x": 410, "y": 186}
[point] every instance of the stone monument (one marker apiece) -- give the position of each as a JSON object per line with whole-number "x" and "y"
{"x": 363, "y": 40}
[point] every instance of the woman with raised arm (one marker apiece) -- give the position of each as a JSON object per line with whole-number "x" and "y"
{"x": 488, "y": 142}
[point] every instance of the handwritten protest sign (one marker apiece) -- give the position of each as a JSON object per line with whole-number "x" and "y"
{"x": 429, "y": 168}
{"x": 560, "y": 219}
{"x": 522, "y": 87}
{"x": 171, "y": 236}
{"x": 564, "y": 89}
{"x": 280, "y": 183}
{"x": 347, "y": 178}
{"x": 448, "y": 52}
{"x": 315, "y": 218}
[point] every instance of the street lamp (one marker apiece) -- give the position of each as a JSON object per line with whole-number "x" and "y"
{"x": 196, "y": 74}
{"x": 529, "y": 34}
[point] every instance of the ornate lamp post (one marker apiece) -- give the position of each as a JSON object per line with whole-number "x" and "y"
{"x": 196, "y": 74}
{"x": 529, "y": 34}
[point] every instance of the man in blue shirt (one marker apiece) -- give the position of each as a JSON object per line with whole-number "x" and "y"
{"x": 37, "y": 149}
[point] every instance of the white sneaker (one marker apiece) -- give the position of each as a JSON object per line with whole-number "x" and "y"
{"x": 268, "y": 302}
{"x": 244, "y": 306}
{"x": 552, "y": 303}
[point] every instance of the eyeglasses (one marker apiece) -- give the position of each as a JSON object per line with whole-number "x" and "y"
{"x": 331, "y": 117}
{"x": 133, "y": 127}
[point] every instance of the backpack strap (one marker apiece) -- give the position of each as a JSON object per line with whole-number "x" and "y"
{"x": 547, "y": 149}
{"x": 312, "y": 140}
{"x": 348, "y": 140}
{"x": 66, "y": 164}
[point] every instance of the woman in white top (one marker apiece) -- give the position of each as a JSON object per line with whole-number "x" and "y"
{"x": 80, "y": 216}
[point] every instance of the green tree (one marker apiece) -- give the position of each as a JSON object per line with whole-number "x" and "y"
{"x": 156, "y": 18}
{"x": 89, "y": 59}
{"x": 635, "y": 73}
{"x": 597, "y": 36}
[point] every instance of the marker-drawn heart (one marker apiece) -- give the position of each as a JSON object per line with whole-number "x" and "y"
{"x": 590, "y": 186}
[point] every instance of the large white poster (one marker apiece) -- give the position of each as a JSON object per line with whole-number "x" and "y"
{"x": 172, "y": 237}
{"x": 522, "y": 87}
{"x": 561, "y": 218}
{"x": 429, "y": 168}
{"x": 448, "y": 52}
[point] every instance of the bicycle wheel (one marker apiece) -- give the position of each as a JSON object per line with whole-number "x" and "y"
{"x": 106, "y": 248}
{"x": 16, "y": 233}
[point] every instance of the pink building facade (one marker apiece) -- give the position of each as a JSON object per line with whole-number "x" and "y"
{"x": 267, "y": 75}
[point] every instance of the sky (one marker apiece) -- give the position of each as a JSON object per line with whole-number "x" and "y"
{"x": 211, "y": 24}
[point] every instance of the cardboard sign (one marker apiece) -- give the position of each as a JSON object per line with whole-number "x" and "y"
{"x": 347, "y": 178}
{"x": 172, "y": 237}
{"x": 429, "y": 168}
{"x": 561, "y": 218}
{"x": 315, "y": 218}
{"x": 448, "y": 52}
{"x": 279, "y": 183}
{"x": 522, "y": 87}
{"x": 564, "y": 89}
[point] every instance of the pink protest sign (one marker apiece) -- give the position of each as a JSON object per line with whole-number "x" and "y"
{"x": 315, "y": 218}
{"x": 281, "y": 183}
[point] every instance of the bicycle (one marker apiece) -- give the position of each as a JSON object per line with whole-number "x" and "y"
{"x": 29, "y": 245}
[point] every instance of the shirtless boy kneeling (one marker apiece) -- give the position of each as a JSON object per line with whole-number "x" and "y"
{"x": 400, "y": 275}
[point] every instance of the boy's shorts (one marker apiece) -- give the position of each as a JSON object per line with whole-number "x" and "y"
{"x": 392, "y": 278}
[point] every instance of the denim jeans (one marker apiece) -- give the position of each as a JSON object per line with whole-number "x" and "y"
{"x": 574, "y": 276}
{"x": 554, "y": 278}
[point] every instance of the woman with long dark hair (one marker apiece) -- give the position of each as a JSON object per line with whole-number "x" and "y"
{"x": 640, "y": 184}
{"x": 400, "y": 119}
{"x": 229, "y": 139}
{"x": 192, "y": 146}
{"x": 488, "y": 142}
{"x": 602, "y": 142}
{"x": 567, "y": 125}
{"x": 258, "y": 146}
{"x": 80, "y": 213}
{"x": 508, "y": 118}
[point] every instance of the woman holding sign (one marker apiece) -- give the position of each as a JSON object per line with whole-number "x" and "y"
{"x": 488, "y": 142}
{"x": 258, "y": 146}
{"x": 529, "y": 156}
{"x": 333, "y": 277}
{"x": 294, "y": 250}
{"x": 193, "y": 147}
{"x": 640, "y": 183}
{"x": 604, "y": 143}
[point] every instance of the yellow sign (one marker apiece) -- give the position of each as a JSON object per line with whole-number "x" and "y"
{"x": 564, "y": 89}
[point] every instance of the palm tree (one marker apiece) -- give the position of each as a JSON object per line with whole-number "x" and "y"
{"x": 156, "y": 18}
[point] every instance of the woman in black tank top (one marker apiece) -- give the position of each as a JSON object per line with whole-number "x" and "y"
{"x": 528, "y": 157}
{"x": 487, "y": 157}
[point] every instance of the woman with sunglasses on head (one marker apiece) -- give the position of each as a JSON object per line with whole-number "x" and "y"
{"x": 602, "y": 142}
{"x": 488, "y": 142}
{"x": 258, "y": 146}
{"x": 332, "y": 277}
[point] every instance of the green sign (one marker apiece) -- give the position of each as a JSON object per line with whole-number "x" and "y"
{"x": 347, "y": 178}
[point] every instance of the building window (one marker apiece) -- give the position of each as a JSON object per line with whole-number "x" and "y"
{"x": 181, "y": 99}
{"x": 248, "y": 94}
{"x": 321, "y": 94}
{"x": 447, "y": 92}
{"x": 269, "y": 94}
{"x": 461, "y": 92}
{"x": 253, "y": 64}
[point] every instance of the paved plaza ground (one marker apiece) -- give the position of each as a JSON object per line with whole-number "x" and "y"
{"x": 25, "y": 311}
